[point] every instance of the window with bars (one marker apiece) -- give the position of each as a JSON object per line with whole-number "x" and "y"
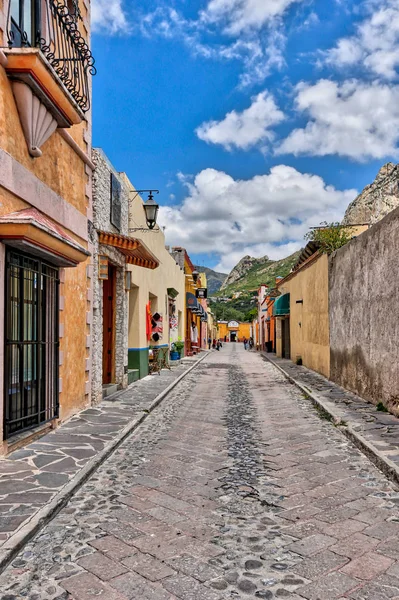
{"x": 31, "y": 343}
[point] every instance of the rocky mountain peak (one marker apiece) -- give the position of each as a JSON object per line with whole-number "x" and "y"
{"x": 376, "y": 200}
{"x": 239, "y": 270}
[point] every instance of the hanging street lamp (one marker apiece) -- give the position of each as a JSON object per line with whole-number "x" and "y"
{"x": 151, "y": 209}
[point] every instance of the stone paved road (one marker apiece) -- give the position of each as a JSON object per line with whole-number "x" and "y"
{"x": 32, "y": 476}
{"x": 233, "y": 488}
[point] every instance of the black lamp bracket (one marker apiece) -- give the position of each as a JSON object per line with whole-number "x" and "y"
{"x": 137, "y": 192}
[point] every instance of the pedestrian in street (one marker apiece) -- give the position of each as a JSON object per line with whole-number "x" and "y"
{"x": 245, "y": 343}
{"x": 218, "y": 345}
{"x": 214, "y": 344}
{"x": 251, "y": 343}
{"x": 209, "y": 343}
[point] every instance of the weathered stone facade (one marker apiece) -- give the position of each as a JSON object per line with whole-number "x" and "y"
{"x": 364, "y": 315}
{"x": 101, "y": 222}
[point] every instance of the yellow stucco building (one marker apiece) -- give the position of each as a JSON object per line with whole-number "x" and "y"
{"x": 303, "y": 333}
{"x": 45, "y": 205}
{"x": 195, "y": 314}
{"x": 302, "y": 310}
{"x": 233, "y": 331}
{"x": 162, "y": 290}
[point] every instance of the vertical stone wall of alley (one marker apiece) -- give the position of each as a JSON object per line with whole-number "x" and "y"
{"x": 101, "y": 222}
{"x": 364, "y": 314}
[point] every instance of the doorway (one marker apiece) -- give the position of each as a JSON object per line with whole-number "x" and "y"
{"x": 233, "y": 336}
{"x": 286, "y": 341}
{"x": 109, "y": 286}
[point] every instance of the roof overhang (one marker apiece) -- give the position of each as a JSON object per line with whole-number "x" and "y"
{"x": 310, "y": 249}
{"x": 135, "y": 251}
{"x": 32, "y": 231}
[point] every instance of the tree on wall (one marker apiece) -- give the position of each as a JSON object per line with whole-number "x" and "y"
{"x": 330, "y": 236}
{"x": 251, "y": 315}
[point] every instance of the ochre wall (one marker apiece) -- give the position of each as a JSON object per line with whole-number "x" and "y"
{"x": 309, "y": 321}
{"x": 65, "y": 173}
{"x": 244, "y": 331}
{"x": 364, "y": 314}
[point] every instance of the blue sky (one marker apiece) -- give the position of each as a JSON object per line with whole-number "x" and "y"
{"x": 254, "y": 118}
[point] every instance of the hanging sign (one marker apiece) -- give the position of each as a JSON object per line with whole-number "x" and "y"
{"x": 202, "y": 293}
{"x": 102, "y": 267}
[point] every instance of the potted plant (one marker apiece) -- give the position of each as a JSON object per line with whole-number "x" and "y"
{"x": 176, "y": 350}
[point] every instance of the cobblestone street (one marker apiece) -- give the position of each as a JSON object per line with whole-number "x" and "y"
{"x": 234, "y": 487}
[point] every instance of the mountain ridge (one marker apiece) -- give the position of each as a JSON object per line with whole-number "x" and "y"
{"x": 214, "y": 279}
{"x": 250, "y": 273}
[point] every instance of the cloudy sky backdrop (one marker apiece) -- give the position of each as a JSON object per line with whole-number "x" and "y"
{"x": 255, "y": 118}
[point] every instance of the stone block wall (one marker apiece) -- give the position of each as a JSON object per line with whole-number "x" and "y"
{"x": 364, "y": 314}
{"x": 101, "y": 221}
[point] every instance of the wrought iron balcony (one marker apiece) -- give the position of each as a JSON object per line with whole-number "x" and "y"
{"x": 52, "y": 26}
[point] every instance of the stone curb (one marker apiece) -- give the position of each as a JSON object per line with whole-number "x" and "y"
{"x": 387, "y": 466}
{"x": 29, "y": 529}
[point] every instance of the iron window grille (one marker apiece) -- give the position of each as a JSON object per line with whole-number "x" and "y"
{"x": 53, "y": 26}
{"x": 31, "y": 343}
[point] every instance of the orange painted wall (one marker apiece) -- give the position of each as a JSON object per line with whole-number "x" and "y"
{"x": 244, "y": 330}
{"x": 65, "y": 173}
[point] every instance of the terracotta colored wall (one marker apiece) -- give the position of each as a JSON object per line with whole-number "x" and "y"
{"x": 73, "y": 373}
{"x": 64, "y": 173}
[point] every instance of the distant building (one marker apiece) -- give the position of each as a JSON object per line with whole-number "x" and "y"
{"x": 234, "y": 331}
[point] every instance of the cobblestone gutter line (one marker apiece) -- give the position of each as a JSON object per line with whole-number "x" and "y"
{"x": 30, "y": 528}
{"x": 347, "y": 427}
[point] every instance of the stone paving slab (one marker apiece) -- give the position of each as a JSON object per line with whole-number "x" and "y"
{"x": 272, "y": 456}
{"x": 375, "y": 433}
{"x": 34, "y": 476}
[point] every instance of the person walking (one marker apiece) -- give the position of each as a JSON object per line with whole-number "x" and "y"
{"x": 245, "y": 343}
{"x": 209, "y": 343}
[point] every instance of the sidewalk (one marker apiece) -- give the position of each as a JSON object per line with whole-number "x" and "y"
{"x": 375, "y": 433}
{"x": 40, "y": 478}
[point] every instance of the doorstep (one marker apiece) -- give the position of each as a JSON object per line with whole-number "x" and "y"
{"x": 375, "y": 433}
{"x": 38, "y": 478}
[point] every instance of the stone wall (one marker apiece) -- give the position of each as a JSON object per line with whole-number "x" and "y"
{"x": 101, "y": 221}
{"x": 364, "y": 314}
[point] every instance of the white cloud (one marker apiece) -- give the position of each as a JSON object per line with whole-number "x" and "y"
{"x": 108, "y": 16}
{"x": 246, "y": 129}
{"x": 251, "y": 31}
{"x": 241, "y": 15}
{"x": 268, "y": 214}
{"x": 353, "y": 119}
{"x": 375, "y": 45}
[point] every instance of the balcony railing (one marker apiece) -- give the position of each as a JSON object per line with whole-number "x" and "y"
{"x": 53, "y": 27}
